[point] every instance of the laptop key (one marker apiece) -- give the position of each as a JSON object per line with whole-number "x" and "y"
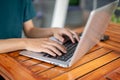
{"x": 69, "y": 53}
{"x": 70, "y": 50}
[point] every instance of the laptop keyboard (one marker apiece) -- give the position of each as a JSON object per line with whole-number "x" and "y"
{"x": 65, "y": 56}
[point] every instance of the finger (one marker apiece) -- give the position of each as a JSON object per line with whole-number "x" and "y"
{"x": 75, "y": 35}
{"x": 46, "y": 50}
{"x": 70, "y": 35}
{"x": 57, "y": 45}
{"x": 59, "y": 37}
{"x": 53, "y": 49}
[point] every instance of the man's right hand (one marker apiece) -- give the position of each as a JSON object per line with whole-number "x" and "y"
{"x": 44, "y": 45}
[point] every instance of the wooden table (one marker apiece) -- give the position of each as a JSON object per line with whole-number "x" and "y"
{"x": 100, "y": 63}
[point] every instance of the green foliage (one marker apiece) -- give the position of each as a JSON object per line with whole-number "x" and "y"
{"x": 74, "y": 2}
{"x": 115, "y": 18}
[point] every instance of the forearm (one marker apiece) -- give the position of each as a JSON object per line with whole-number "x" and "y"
{"x": 40, "y": 32}
{"x": 9, "y": 45}
{"x": 34, "y": 32}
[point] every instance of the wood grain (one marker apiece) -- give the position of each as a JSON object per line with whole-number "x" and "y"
{"x": 113, "y": 75}
{"x": 12, "y": 67}
{"x": 102, "y": 71}
{"x": 86, "y": 68}
{"x": 100, "y": 63}
{"x": 89, "y": 57}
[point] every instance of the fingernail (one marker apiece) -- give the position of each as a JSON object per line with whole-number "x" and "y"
{"x": 62, "y": 40}
{"x": 54, "y": 55}
{"x": 60, "y": 54}
{"x": 65, "y": 51}
{"x": 73, "y": 41}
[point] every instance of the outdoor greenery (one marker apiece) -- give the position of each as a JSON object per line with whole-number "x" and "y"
{"x": 116, "y": 18}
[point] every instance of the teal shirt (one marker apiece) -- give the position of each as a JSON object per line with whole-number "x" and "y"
{"x": 13, "y": 13}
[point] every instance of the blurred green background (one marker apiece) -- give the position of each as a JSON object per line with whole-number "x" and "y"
{"x": 115, "y": 17}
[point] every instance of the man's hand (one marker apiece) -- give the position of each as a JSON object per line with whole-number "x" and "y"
{"x": 58, "y": 33}
{"x": 44, "y": 45}
{"x": 41, "y": 43}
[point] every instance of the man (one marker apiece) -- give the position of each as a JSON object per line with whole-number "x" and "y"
{"x": 15, "y": 16}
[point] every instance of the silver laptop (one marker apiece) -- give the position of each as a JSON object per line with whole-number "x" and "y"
{"x": 93, "y": 32}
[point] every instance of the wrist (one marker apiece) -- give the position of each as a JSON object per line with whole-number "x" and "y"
{"x": 23, "y": 43}
{"x": 53, "y": 30}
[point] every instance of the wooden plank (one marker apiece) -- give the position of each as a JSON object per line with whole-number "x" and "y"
{"x": 113, "y": 75}
{"x": 14, "y": 54}
{"x": 13, "y": 69}
{"x": 113, "y": 26}
{"x": 113, "y": 37}
{"x": 36, "y": 69}
{"x": 112, "y": 43}
{"x": 22, "y": 58}
{"x": 86, "y": 68}
{"x": 115, "y": 29}
{"x": 3, "y": 74}
{"x": 114, "y": 32}
{"x": 30, "y": 62}
{"x": 104, "y": 79}
{"x": 102, "y": 71}
{"x": 91, "y": 56}
{"x": 109, "y": 46}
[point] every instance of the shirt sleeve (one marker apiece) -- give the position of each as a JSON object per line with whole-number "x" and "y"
{"x": 29, "y": 11}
